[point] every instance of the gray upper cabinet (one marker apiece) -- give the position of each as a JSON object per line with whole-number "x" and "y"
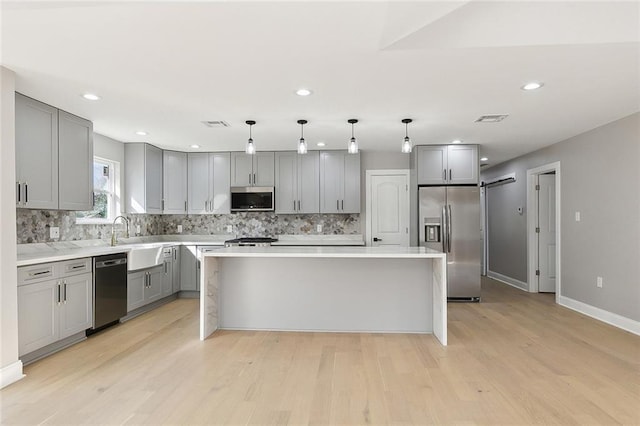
{"x": 297, "y": 182}
{"x": 339, "y": 182}
{"x": 75, "y": 153}
{"x": 447, "y": 164}
{"x": 143, "y": 172}
{"x": 174, "y": 185}
{"x": 54, "y": 157}
{"x": 208, "y": 183}
{"x": 36, "y": 154}
{"x": 252, "y": 170}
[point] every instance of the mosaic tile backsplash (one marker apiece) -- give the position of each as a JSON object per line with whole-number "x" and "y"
{"x": 33, "y": 225}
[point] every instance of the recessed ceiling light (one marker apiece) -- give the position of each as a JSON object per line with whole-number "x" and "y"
{"x": 303, "y": 92}
{"x": 456, "y": 141}
{"x": 484, "y": 159}
{"x": 141, "y": 133}
{"x": 532, "y": 86}
{"x": 194, "y": 146}
{"x": 91, "y": 97}
{"x": 321, "y": 144}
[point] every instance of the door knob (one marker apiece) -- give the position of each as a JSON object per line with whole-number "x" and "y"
{"x": 377, "y": 239}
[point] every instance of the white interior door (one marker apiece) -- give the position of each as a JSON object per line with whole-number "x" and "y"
{"x": 547, "y": 234}
{"x": 388, "y": 209}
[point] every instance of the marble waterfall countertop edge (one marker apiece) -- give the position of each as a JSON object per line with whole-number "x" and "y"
{"x": 329, "y": 252}
{"x": 320, "y": 240}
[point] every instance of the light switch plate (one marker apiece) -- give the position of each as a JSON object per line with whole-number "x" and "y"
{"x": 138, "y": 229}
{"x": 229, "y": 229}
{"x": 54, "y": 232}
{"x": 577, "y": 216}
{"x": 318, "y": 228}
{"x": 179, "y": 229}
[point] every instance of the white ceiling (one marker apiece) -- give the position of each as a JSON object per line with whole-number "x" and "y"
{"x": 164, "y": 67}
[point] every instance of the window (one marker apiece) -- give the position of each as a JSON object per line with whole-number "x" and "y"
{"x": 105, "y": 193}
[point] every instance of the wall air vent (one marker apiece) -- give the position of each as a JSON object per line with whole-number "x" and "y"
{"x": 216, "y": 123}
{"x": 491, "y": 118}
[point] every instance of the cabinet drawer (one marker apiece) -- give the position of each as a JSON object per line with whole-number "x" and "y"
{"x": 74, "y": 267}
{"x": 35, "y": 273}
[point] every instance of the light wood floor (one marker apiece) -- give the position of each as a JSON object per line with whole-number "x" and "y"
{"x": 516, "y": 358}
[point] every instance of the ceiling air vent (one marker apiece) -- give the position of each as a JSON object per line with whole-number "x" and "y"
{"x": 216, "y": 123}
{"x": 492, "y": 118}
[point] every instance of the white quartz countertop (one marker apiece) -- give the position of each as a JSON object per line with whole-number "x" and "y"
{"x": 37, "y": 253}
{"x": 328, "y": 252}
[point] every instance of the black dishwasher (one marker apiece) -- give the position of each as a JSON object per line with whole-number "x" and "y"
{"x": 109, "y": 290}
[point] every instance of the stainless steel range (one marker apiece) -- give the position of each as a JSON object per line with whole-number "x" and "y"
{"x": 250, "y": 242}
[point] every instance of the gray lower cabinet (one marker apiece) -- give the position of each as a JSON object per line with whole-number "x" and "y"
{"x": 53, "y": 304}
{"x": 167, "y": 272}
{"x": 189, "y": 276}
{"x": 143, "y": 171}
{"x": 144, "y": 287}
{"x": 176, "y": 269}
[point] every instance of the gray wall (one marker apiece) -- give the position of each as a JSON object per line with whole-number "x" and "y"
{"x": 600, "y": 178}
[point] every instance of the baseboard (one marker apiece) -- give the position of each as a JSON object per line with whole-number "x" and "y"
{"x": 616, "y": 320}
{"x": 10, "y": 374}
{"x": 508, "y": 280}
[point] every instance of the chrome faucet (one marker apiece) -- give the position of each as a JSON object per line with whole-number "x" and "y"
{"x": 114, "y": 238}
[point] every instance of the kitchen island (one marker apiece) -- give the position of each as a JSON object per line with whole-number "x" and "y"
{"x": 336, "y": 289}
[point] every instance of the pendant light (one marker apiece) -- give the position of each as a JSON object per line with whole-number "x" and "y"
{"x": 406, "y": 144}
{"x": 302, "y": 144}
{"x": 251, "y": 147}
{"x": 353, "y": 143}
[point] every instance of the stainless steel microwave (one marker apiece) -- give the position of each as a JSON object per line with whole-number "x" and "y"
{"x": 252, "y": 199}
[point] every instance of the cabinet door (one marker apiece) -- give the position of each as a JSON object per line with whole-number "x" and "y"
{"x": 331, "y": 181}
{"x": 219, "y": 164}
{"x": 75, "y": 165}
{"x": 198, "y": 183}
{"x": 264, "y": 169}
{"x": 432, "y": 165}
{"x": 174, "y": 186}
{"x": 286, "y": 183}
{"x": 241, "y": 169}
{"x": 76, "y": 309}
{"x": 153, "y": 179}
{"x": 37, "y": 315}
{"x": 136, "y": 282}
{"x": 153, "y": 291}
{"x": 167, "y": 277}
{"x": 462, "y": 164}
{"x": 188, "y": 281}
{"x": 176, "y": 269}
{"x": 308, "y": 182}
{"x": 36, "y": 134}
{"x": 350, "y": 202}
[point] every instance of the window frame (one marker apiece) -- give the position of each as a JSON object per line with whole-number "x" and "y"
{"x": 113, "y": 194}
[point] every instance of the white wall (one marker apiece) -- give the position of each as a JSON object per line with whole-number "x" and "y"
{"x": 600, "y": 172}
{"x": 10, "y": 366}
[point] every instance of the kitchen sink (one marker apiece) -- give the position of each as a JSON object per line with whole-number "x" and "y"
{"x": 144, "y": 256}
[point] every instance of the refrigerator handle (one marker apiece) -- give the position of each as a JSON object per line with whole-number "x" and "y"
{"x": 445, "y": 231}
{"x": 449, "y": 228}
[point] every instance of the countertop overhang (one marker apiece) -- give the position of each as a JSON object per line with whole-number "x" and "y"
{"x": 328, "y": 252}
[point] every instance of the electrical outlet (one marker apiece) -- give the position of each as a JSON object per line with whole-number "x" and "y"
{"x": 54, "y": 232}
{"x": 138, "y": 229}
{"x": 229, "y": 229}
{"x": 599, "y": 282}
{"x": 179, "y": 229}
{"x": 319, "y": 228}
{"x": 577, "y": 216}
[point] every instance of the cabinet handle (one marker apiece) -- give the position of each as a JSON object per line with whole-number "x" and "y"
{"x": 185, "y": 206}
{"x": 254, "y": 178}
{"x": 342, "y": 205}
{"x": 294, "y": 205}
{"x": 59, "y": 292}
{"x": 163, "y": 205}
{"x": 175, "y": 254}
{"x": 26, "y": 193}
{"x": 298, "y": 205}
{"x": 444, "y": 174}
{"x": 249, "y": 178}
{"x": 65, "y": 291}
{"x": 449, "y": 174}
{"x": 337, "y": 204}
{"x": 18, "y": 192}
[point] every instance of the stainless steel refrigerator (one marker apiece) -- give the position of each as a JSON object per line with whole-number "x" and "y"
{"x": 449, "y": 220}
